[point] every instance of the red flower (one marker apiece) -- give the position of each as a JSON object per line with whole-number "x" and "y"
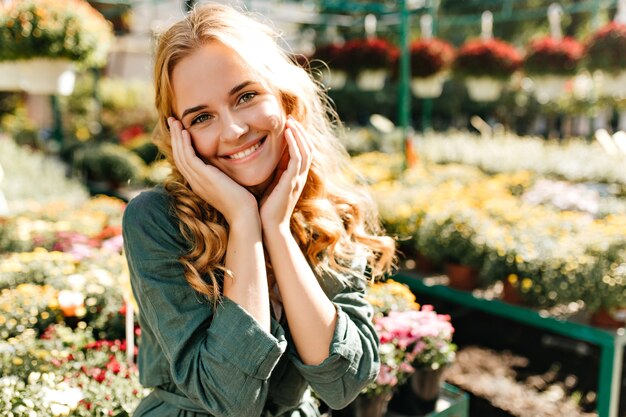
{"x": 550, "y": 56}
{"x": 492, "y": 58}
{"x": 130, "y": 133}
{"x": 430, "y": 56}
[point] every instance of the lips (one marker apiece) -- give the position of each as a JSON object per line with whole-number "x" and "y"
{"x": 247, "y": 151}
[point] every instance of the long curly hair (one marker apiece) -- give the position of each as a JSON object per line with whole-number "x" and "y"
{"x": 335, "y": 222}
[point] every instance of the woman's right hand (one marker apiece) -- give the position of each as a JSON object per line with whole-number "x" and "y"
{"x": 208, "y": 182}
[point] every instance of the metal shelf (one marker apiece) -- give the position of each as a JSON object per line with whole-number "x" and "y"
{"x": 611, "y": 343}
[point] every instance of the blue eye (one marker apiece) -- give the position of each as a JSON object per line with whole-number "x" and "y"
{"x": 247, "y": 97}
{"x": 200, "y": 118}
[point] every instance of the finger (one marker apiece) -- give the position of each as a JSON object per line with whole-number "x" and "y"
{"x": 176, "y": 144}
{"x": 283, "y": 163}
{"x": 184, "y": 153}
{"x": 303, "y": 144}
{"x": 295, "y": 157}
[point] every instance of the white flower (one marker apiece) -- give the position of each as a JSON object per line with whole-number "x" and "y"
{"x": 76, "y": 281}
{"x": 6, "y": 348}
{"x": 69, "y": 298}
{"x": 33, "y": 377}
{"x": 59, "y": 409}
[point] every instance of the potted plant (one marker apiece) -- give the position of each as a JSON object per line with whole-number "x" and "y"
{"x": 9, "y": 69}
{"x": 430, "y": 61}
{"x": 451, "y": 238}
{"x": 485, "y": 65}
{"x": 370, "y": 60}
{"x": 108, "y": 166}
{"x": 425, "y": 339}
{"x": 387, "y": 298}
{"x": 550, "y": 62}
{"x": 605, "y": 52}
{"x": 49, "y": 38}
{"x": 606, "y": 296}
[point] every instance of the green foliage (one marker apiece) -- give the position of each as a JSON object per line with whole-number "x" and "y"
{"x": 69, "y": 29}
{"x": 606, "y": 50}
{"x": 108, "y": 162}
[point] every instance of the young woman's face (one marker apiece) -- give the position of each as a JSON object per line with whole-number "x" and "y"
{"x": 236, "y": 122}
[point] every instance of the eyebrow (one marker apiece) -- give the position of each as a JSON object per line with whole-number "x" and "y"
{"x": 232, "y": 91}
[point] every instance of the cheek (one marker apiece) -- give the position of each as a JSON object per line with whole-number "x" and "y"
{"x": 205, "y": 146}
{"x": 272, "y": 115}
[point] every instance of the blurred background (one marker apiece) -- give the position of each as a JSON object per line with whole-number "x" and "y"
{"x": 492, "y": 135}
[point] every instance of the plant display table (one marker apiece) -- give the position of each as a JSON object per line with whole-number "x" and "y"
{"x": 610, "y": 342}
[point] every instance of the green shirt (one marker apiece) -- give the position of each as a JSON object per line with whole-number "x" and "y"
{"x": 206, "y": 362}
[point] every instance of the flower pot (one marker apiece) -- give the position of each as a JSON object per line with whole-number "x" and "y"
{"x": 549, "y": 87}
{"x": 371, "y": 406}
{"x": 510, "y": 293}
{"x": 418, "y": 396}
{"x": 426, "y": 385}
{"x": 371, "y": 80}
{"x": 48, "y": 76}
{"x": 484, "y": 88}
{"x": 333, "y": 78}
{"x": 612, "y": 319}
{"x": 424, "y": 264}
{"x": 612, "y": 85}
{"x": 428, "y": 87}
{"x": 10, "y": 76}
{"x": 462, "y": 277}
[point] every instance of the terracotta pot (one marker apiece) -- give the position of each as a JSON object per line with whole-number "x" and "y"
{"x": 510, "y": 293}
{"x": 424, "y": 264}
{"x": 609, "y": 319}
{"x": 371, "y": 406}
{"x": 462, "y": 277}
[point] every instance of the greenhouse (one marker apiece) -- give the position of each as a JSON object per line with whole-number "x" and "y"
{"x": 313, "y": 208}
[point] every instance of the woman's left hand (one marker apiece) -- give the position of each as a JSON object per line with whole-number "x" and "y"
{"x": 282, "y": 194}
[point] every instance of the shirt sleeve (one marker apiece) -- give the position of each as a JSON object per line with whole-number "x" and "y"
{"x": 222, "y": 359}
{"x": 353, "y": 360}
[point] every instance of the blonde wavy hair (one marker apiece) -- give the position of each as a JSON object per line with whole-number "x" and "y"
{"x": 335, "y": 222}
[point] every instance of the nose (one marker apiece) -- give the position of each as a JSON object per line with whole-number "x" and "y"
{"x": 233, "y": 127}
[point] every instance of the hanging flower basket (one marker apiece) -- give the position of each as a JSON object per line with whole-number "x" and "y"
{"x": 430, "y": 61}
{"x": 47, "y": 76}
{"x": 605, "y": 53}
{"x": 328, "y": 63}
{"x": 429, "y": 87}
{"x": 333, "y": 78}
{"x": 371, "y": 79}
{"x": 550, "y": 63}
{"x": 69, "y": 29}
{"x": 9, "y": 76}
{"x": 485, "y": 65}
{"x": 611, "y": 84}
{"x": 369, "y": 61}
{"x": 549, "y": 87}
{"x": 484, "y": 89}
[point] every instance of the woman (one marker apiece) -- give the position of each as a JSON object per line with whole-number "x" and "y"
{"x": 249, "y": 263}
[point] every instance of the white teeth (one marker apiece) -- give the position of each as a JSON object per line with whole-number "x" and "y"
{"x": 246, "y": 152}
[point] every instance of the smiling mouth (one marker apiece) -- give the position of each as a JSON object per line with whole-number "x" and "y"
{"x": 246, "y": 152}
